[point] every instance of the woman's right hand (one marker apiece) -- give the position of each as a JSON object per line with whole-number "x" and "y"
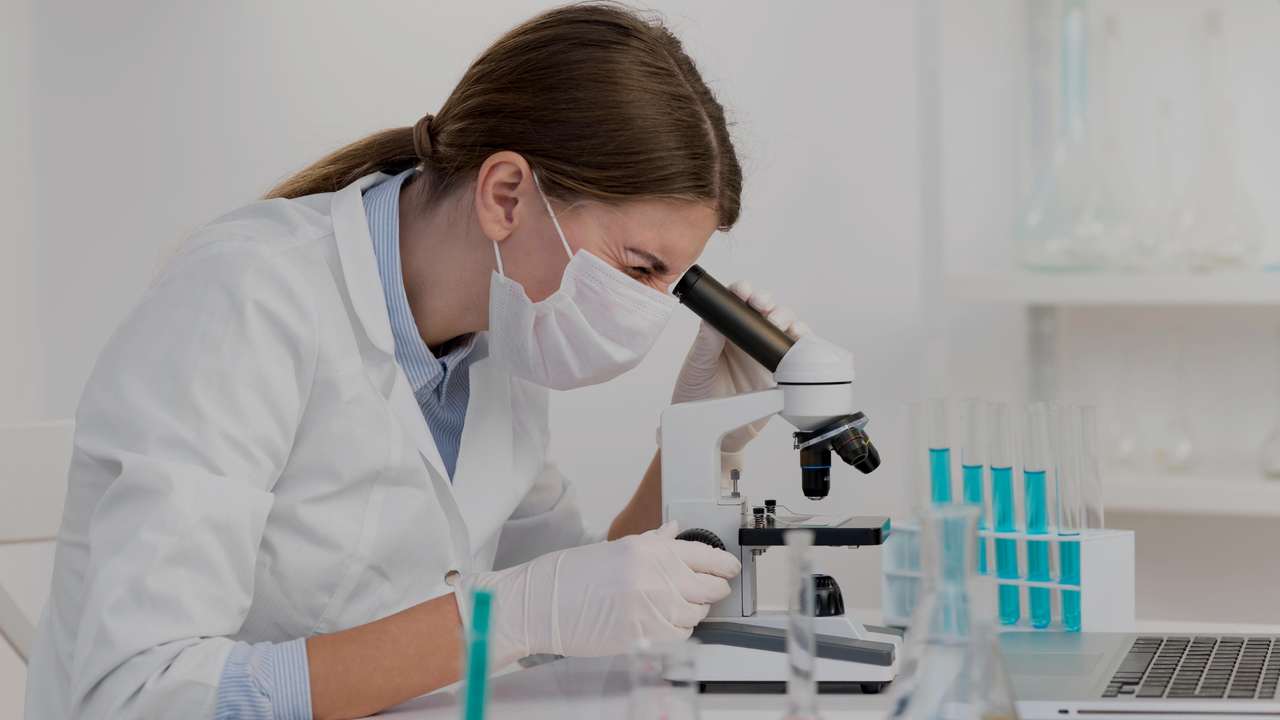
{"x": 600, "y": 599}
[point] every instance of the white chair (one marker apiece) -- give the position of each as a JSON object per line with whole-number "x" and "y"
{"x": 34, "y": 461}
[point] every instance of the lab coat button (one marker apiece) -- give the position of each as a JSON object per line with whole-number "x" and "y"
{"x": 451, "y": 577}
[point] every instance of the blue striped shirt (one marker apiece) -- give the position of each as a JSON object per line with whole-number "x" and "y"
{"x": 266, "y": 681}
{"x": 442, "y": 386}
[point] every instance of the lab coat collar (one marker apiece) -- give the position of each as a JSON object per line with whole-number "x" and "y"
{"x": 359, "y": 264}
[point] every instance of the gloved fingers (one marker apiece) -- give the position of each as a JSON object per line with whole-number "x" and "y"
{"x": 704, "y": 354}
{"x": 798, "y": 330}
{"x": 702, "y": 558}
{"x": 782, "y": 317}
{"x": 668, "y": 531}
{"x": 741, "y": 288}
{"x": 761, "y": 301}
{"x": 703, "y": 588}
{"x": 687, "y": 614}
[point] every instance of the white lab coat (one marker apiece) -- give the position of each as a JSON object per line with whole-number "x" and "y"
{"x": 250, "y": 464}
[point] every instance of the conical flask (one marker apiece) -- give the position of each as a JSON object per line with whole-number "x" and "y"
{"x": 953, "y": 668}
{"x": 1216, "y": 223}
{"x": 1082, "y": 213}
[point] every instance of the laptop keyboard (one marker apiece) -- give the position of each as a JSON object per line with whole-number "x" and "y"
{"x": 1235, "y": 668}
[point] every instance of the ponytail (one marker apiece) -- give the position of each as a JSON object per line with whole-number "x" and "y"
{"x": 390, "y": 151}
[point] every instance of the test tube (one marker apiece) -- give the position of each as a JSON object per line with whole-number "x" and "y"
{"x": 973, "y": 454}
{"x": 1090, "y": 472}
{"x": 1001, "y": 457}
{"x": 937, "y": 435}
{"x": 1035, "y": 465}
{"x": 1067, "y": 477}
{"x": 802, "y": 656}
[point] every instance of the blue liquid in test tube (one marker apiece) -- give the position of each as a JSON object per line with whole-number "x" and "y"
{"x": 1069, "y": 554}
{"x": 972, "y": 478}
{"x": 1006, "y": 550}
{"x": 1037, "y": 551}
{"x": 940, "y": 474}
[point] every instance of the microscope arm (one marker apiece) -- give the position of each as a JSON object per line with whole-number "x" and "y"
{"x": 689, "y": 470}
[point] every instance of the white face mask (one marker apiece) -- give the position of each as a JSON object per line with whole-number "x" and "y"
{"x": 598, "y": 325}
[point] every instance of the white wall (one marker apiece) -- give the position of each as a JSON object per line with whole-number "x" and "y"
{"x": 146, "y": 120}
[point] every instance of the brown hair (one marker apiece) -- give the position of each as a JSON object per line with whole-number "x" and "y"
{"x": 602, "y": 102}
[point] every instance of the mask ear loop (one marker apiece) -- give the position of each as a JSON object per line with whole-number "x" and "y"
{"x": 554, "y": 219}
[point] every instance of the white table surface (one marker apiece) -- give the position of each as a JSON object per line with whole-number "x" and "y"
{"x": 597, "y": 688}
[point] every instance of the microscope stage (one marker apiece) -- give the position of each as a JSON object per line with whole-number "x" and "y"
{"x": 827, "y": 531}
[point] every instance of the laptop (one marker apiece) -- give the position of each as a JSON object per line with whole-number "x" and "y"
{"x": 1117, "y": 675}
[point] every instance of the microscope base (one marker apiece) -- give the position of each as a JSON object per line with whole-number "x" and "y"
{"x": 737, "y": 652}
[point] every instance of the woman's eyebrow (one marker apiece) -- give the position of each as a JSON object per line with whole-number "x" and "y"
{"x": 655, "y": 262}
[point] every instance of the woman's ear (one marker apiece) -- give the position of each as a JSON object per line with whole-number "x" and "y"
{"x": 505, "y": 191}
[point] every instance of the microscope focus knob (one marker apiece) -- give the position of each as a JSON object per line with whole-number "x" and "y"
{"x": 702, "y": 536}
{"x": 829, "y": 601}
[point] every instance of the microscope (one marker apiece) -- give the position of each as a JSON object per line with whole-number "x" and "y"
{"x": 742, "y": 645}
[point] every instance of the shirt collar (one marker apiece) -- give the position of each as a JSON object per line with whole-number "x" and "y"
{"x": 426, "y": 373}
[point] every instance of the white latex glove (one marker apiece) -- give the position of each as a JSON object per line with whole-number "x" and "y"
{"x": 600, "y": 599}
{"x": 716, "y": 368}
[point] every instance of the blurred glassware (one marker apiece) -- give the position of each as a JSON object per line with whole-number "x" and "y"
{"x": 1124, "y": 433}
{"x": 662, "y": 686}
{"x": 1091, "y": 470}
{"x": 953, "y": 667}
{"x": 1216, "y": 222}
{"x": 1135, "y": 244}
{"x": 1271, "y": 447}
{"x": 1178, "y": 444}
{"x": 802, "y": 655}
{"x": 1082, "y": 213}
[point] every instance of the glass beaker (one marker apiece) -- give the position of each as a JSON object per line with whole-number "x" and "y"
{"x": 802, "y": 649}
{"x": 662, "y": 681}
{"x": 953, "y": 667}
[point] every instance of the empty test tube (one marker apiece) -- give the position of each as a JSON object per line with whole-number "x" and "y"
{"x": 937, "y": 434}
{"x": 1036, "y": 502}
{"x": 1067, "y": 477}
{"x": 973, "y": 453}
{"x": 1001, "y": 457}
{"x": 1090, "y": 472}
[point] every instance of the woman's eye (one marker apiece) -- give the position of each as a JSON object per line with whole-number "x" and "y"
{"x": 642, "y": 272}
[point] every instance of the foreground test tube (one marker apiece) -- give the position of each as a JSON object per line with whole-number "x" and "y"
{"x": 937, "y": 414}
{"x": 1035, "y": 467}
{"x": 802, "y": 650}
{"x": 973, "y": 453}
{"x": 1070, "y": 509}
{"x": 1002, "y": 444}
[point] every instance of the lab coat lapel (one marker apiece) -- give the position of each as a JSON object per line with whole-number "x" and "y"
{"x": 485, "y": 455}
{"x": 364, "y": 287}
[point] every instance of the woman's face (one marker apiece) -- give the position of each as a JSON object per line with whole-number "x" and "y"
{"x": 653, "y": 241}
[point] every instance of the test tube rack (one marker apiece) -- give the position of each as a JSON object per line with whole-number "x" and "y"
{"x": 1106, "y": 577}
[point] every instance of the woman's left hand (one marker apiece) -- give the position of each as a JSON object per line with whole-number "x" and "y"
{"x": 716, "y": 368}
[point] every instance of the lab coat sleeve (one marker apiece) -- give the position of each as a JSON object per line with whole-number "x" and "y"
{"x": 546, "y": 520}
{"x": 186, "y": 422}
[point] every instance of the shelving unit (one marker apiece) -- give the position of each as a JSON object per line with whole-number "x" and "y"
{"x": 1078, "y": 290}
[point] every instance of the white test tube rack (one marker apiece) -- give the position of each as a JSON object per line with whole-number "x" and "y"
{"x": 1106, "y": 577}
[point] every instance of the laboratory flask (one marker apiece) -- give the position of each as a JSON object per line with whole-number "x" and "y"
{"x": 1082, "y": 213}
{"x": 662, "y": 681}
{"x": 953, "y": 668}
{"x": 1216, "y": 223}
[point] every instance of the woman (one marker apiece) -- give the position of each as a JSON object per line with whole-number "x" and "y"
{"x": 326, "y": 422}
